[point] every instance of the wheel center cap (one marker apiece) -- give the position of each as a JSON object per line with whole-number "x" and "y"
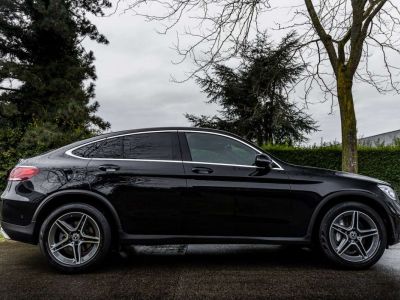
{"x": 76, "y": 237}
{"x": 353, "y": 235}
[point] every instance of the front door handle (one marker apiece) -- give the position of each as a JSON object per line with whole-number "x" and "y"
{"x": 109, "y": 168}
{"x": 202, "y": 170}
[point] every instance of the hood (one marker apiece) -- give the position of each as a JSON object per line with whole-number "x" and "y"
{"x": 315, "y": 172}
{"x": 360, "y": 177}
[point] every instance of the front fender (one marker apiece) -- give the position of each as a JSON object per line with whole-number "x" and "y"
{"x": 337, "y": 197}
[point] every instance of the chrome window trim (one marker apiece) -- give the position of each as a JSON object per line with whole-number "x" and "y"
{"x": 219, "y": 164}
{"x": 69, "y": 152}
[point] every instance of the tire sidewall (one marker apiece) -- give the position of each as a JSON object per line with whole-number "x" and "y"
{"x": 105, "y": 235}
{"x": 325, "y": 228}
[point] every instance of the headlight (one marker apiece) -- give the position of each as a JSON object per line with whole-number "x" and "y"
{"x": 388, "y": 191}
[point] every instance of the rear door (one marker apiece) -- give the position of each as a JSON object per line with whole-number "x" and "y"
{"x": 142, "y": 175}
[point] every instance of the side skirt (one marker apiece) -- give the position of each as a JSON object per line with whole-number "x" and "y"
{"x": 189, "y": 239}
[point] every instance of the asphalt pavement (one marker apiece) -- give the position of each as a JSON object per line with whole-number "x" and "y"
{"x": 199, "y": 272}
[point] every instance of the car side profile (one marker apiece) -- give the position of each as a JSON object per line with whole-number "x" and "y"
{"x": 190, "y": 185}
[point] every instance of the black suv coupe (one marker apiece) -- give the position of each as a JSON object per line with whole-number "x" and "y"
{"x": 189, "y": 185}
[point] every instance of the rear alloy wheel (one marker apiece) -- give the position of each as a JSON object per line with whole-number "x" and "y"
{"x": 75, "y": 237}
{"x": 353, "y": 235}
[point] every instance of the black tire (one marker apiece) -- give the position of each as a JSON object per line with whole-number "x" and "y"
{"x": 102, "y": 229}
{"x": 327, "y": 236}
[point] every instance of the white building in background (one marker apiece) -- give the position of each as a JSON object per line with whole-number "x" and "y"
{"x": 387, "y": 139}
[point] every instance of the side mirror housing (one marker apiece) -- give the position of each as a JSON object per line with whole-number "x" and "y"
{"x": 263, "y": 161}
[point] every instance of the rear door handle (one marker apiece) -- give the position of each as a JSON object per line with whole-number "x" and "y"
{"x": 138, "y": 180}
{"x": 202, "y": 170}
{"x": 109, "y": 168}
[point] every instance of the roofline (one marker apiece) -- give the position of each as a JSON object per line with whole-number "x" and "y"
{"x": 147, "y": 129}
{"x": 164, "y": 128}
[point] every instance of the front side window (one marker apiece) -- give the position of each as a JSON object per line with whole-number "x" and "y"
{"x": 157, "y": 146}
{"x": 213, "y": 148}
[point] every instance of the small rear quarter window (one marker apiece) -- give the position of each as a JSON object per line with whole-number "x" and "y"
{"x": 109, "y": 148}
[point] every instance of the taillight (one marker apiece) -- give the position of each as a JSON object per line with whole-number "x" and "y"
{"x": 22, "y": 173}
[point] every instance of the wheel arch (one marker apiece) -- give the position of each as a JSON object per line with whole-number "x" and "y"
{"x": 346, "y": 196}
{"x": 80, "y": 196}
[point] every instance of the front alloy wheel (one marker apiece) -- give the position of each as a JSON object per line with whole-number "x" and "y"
{"x": 353, "y": 235}
{"x": 75, "y": 237}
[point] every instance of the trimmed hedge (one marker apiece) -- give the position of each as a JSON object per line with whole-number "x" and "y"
{"x": 381, "y": 162}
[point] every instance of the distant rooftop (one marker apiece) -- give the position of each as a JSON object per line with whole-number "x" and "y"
{"x": 387, "y": 139}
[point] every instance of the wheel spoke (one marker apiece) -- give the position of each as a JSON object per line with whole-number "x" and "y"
{"x": 367, "y": 233}
{"x": 60, "y": 245}
{"x": 77, "y": 252}
{"x": 354, "y": 220}
{"x": 360, "y": 247}
{"x": 81, "y": 223}
{"x": 339, "y": 228}
{"x": 343, "y": 246}
{"x": 90, "y": 239}
{"x": 64, "y": 226}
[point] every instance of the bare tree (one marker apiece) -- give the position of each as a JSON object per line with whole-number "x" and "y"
{"x": 338, "y": 39}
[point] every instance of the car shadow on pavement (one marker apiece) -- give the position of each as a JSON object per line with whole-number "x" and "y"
{"x": 221, "y": 256}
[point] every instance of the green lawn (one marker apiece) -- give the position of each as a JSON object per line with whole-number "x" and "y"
{"x": 2, "y": 239}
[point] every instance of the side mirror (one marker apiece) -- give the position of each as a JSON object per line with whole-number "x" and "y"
{"x": 263, "y": 161}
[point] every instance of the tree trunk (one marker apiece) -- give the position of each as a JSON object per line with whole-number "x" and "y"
{"x": 349, "y": 122}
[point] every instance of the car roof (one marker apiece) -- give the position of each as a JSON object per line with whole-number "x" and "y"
{"x": 150, "y": 129}
{"x": 166, "y": 128}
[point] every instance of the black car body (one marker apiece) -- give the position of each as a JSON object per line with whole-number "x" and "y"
{"x": 187, "y": 185}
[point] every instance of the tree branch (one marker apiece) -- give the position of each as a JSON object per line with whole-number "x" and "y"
{"x": 360, "y": 30}
{"x": 325, "y": 38}
{"x": 8, "y": 89}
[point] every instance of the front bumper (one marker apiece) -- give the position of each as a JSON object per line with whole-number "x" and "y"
{"x": 395, "y": 237}
{"x": 19, "y": 233}
{"x": 393, "y": 214}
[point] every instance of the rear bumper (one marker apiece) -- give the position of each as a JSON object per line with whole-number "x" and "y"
{"x": 4, "y": 234}
{"x": 19, "y": 233}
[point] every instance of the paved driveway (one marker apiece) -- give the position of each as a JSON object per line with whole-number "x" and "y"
{"x": 199, "y": 272}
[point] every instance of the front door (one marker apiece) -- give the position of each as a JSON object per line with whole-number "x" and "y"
{"x": 227, "y": 195}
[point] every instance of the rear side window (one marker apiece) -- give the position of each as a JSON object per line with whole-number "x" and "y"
{"x": 109, "y": 148}
{"x": 157, "y": 146}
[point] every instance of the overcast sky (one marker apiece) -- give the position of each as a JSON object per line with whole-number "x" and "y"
{"x": 134, "y": 86}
